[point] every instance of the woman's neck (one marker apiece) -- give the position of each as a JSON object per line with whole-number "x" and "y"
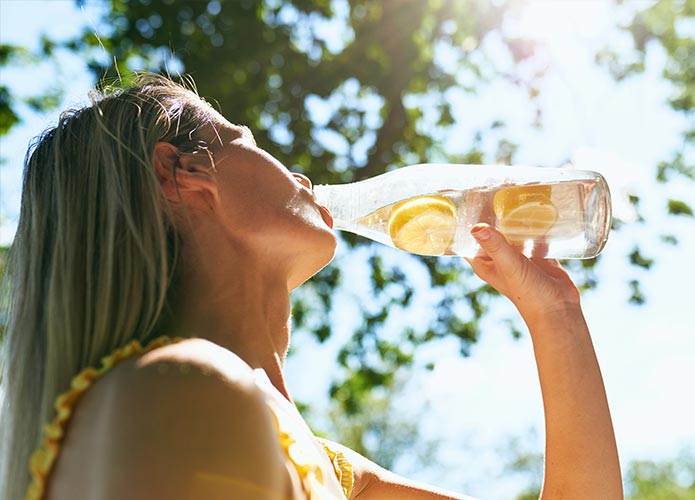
{"x": 238, "y": 303}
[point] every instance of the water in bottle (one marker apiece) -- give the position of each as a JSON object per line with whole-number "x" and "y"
{"x": 430, "y": 209}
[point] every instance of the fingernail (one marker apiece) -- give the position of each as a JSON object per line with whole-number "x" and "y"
{"x": 481, "y": 233}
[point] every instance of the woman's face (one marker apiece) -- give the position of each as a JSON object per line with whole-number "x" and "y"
{"x": 268, "y": 209}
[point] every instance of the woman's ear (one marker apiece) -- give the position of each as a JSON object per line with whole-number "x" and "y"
{"x": 185, "y": 178}
{"x": 165, "y": 161}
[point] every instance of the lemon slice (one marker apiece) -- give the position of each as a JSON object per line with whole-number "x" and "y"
{"x": 525, "y": 212}
{"x": 425, "y": 225}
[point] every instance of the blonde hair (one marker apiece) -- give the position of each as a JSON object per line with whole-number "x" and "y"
{"x": 95, "y": 254}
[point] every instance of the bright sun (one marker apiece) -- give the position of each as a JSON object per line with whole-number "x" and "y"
{"x": 557, "y": 21}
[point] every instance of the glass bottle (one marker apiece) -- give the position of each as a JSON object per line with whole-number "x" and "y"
{"x": 429, "y": 209}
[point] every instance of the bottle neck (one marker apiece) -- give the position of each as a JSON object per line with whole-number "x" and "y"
{"x": 342, "y": 200}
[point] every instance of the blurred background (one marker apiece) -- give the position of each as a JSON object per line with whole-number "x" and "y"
{"x": 413, "y": 361}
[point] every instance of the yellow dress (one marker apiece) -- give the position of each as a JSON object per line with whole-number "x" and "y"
{"x": 306, "y": 465}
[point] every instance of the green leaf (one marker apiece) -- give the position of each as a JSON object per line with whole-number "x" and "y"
{"x": 6, "y": 53}
{"x": 45, "y": 102}
{"x": 636, "y": 295}
{"x": 669, "y": 239}
{"x": 13, "y": 53}
{"x": 322, "y": 333}
{"x": 677, "y": 207}
{"x": 8, "y": 118}
{"x": 637, "y": 259}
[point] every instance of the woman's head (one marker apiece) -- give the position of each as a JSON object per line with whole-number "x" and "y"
{"x": 95, "y": 249}
{"x": 242, "y": 205}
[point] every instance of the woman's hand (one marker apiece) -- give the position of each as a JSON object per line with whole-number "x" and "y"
{"x": 538, "y": 287}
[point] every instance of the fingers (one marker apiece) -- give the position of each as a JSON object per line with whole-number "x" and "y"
{"x": 551, "y": 267}
{"x": 528, "y": 283}
{"x": 494, "y": 244}
{"x": 496, "y": 257}
{"x": 540, "y": 249}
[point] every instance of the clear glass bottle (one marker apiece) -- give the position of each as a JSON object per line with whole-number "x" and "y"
{"x": 429, "y": 209}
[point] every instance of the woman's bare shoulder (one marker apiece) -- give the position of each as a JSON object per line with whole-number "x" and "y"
{"x": 193, "y": 350}
{"x": 192, "y": 368}
{"x": 192, "y": 382}
{"x": 196, "y": 356}
{"x": 187, "y": 421}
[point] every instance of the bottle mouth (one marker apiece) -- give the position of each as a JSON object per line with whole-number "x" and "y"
{"x": 321, "y": 195}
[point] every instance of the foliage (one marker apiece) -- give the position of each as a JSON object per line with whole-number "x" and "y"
{"x": 368, "y": 98}
{"x": 339, "y": 109}
{"x": 665, "y": 26}
{"x": 522, "y": 458}
{"x": 11, "y": 104}
{"x": 383, "y": 432}
{"x": 669, "y": 479}
{"x": 8, "y": 118}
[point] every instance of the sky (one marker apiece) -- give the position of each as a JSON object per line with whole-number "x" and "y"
{"x": 476, "y": 404}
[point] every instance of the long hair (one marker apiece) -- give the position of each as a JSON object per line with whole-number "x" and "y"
{"x": 95, "y": 254}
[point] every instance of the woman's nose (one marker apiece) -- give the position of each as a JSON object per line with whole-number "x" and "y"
{"x": 303, "y": 180}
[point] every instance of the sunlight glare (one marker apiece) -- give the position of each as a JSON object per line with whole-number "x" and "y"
{"x": 552, "y": 21}
{"x": 613, "y": 168}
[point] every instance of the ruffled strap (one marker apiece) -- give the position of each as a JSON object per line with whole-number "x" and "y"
{"x": 308, "y": 468}
{"x": 43, "y": 459}
{"x": 342, "y": 467}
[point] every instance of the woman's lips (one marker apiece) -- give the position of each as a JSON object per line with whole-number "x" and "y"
{"x": 326, "y": 215}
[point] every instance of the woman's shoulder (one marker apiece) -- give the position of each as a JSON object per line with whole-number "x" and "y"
{"x": 192, "y": 378}
{"x": 183, "y": 417}
{"x": 196, "y": 366}
{"x": 190, "y": 368}
{"x": 192, "y": 357}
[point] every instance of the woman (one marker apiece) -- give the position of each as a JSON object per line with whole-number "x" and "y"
{"x": 147, "y": 215}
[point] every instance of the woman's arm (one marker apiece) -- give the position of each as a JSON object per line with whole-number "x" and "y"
{"x": 581, "y": 459}
{"x": 373, "y": 482}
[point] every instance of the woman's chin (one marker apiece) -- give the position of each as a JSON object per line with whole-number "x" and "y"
{"x": 310, "y": 267}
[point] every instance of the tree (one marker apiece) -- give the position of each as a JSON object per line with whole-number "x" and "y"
{"x": 382, "y": 430}
{"x": 270, "y": 65}
{"x": 668, "y": 479}
{"x": 369, "y": 97}
{"x": 10, "y": 103}
{"x": 668, "y": 25}
{"x": 665, "y": 480}
{"x": 665, "y": 25}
